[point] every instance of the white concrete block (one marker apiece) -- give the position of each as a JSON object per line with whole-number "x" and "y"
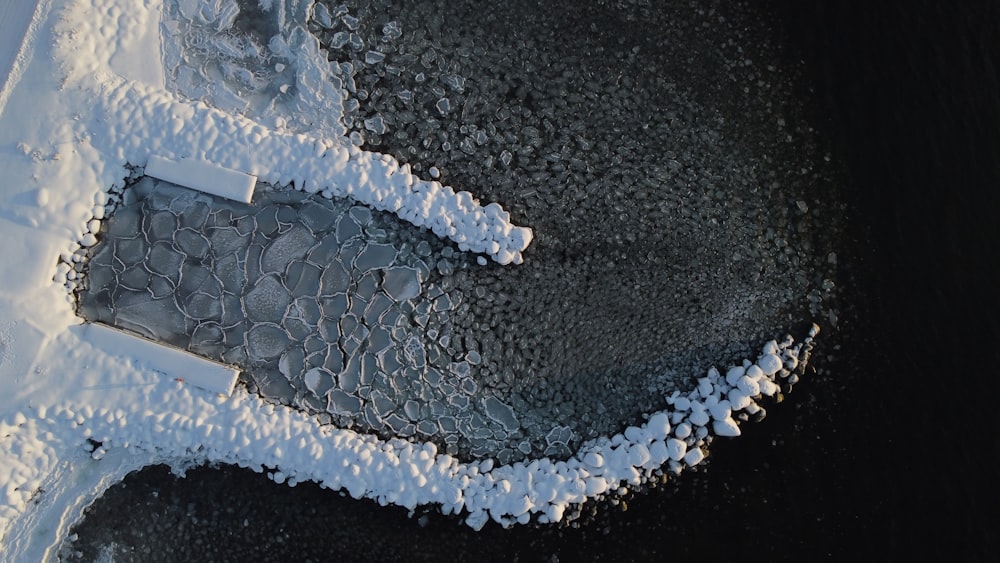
{"x": 203, "y": 176}
{"x": 179, "y": 364}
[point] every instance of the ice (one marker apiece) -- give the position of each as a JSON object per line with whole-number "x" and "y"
{"x": 349, "y": 322}
{"x": 267, "y": 224}
{"x": 329, "y": 330}
{"x": 502, "y": 413}
{"x": 364, "y": 291}
{"x": 412, "y": 410}
{"x": 350, "y": 251}
{"x": 130, "y": 251}
{"x": 307, "y": 310}
{"x": 401, "y": 283}
{"x": 191, "y": 243}
{"x": 326, "y": 251}
{"x": 378, "y": 339}
{"x": 203, "y": 306}
{"x": 455, "y": 82}
{"x": 297, "y": 329}
{"x": 229, "y": 272}
{"x": 292, "y": 245}
{"x": 226, "y": 240}
{"x": 292, "y": 363}
{"x": 350, "y": 378}
{"x": 368, "y": 369}
{"x": 339, "y": 39}
{"x": 335, "y": 306}
{"x": 378, "y": 305}
{"x": 396, "y": 423}
{"x": 335, "y": 279}
{"x": 375, "y": 125}
{"x": 342, "y": 403}
{"x": 318, "y": 381}
{"x": 303, "y": 279}
{"x": 322, "y": 15}
{"x": 196, "y": 277}
{"x": 559, "y": 436}
{"x": 163, "y": 260}
{"x": 334, "y": 360}
{"x": 461, "y": 369}
{"x": 126, "y": 223}
{"x": 207, "y": 333}
{"x": 375, "y": 256}
{"x": 350, "y": 344}
{"x": 275, "y": 386}
{"x": 135, "y": 278}
{"x": 442, "y": 303}
{"x": 193, "y": 212}
{"x": 414, "y": 351}
{"x": 355, "y": 42}
{"x": 102, "y": 275}
{"x": 158, "y": 318}
{"x": 161, "y": 287}
{"x": 162, "y": 226}
{"x": 316, "y": 216}
{"x": 392, "y": 31}
{"x": 266, "y": 341}
{"x": 267, "y": 300}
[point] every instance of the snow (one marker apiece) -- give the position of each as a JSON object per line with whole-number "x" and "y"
{"x": 84, "y": 98}
{"x": 203, "y": 176}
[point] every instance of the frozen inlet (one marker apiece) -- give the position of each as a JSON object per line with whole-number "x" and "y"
{"x": 204, "y": 176}
{"x": 184, "y": 366}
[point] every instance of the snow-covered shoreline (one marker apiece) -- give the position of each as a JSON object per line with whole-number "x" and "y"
{"x": 62, "y": 149}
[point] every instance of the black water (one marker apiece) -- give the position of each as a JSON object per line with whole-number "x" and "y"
{"x": 883, "y": 455}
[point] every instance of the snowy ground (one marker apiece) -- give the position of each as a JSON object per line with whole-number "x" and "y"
{"x": 85, "y": 96}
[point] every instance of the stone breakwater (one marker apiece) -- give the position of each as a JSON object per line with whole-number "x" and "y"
{"x": 290, "y": 447}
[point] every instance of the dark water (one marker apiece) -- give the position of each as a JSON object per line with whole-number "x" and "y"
{"x": 882, "y": 455}
{"x": 913, "y": 92}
